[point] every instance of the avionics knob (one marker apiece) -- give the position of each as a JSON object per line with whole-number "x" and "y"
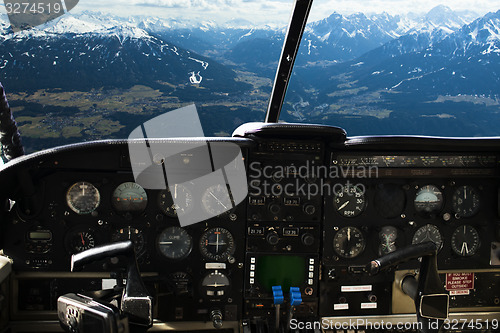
{"x": 274, "y": 208}
{"x": 307, "y": 239}
{"x": 273, "y": 238}
{"x": 309, "y": 209}
{"x": 216, "y": 318}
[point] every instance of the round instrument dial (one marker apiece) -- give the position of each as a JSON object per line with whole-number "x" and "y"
{"x": 465, "y": 201}
{"x": 215, "y": 285}
{"x": 130, "y": 198}
{"x": 429, "y": 200}
{"x": 83, "y": 198}
{"x": 175, "y": 202}
{"x": 183, "y": 283}
{"x": 350, "y": 201}
{"x": 217, "y": 244}
{"x": 349, "y": 242}
{"x": 82, "y": 241}
{"x": 216, "y": 200}
{"x": 174, "y": 243}
{"x": 428, "y": 233}
{"x": 130, "y": 233}
{"x": 465, "y": 241}
{"x": 388, "y": 236}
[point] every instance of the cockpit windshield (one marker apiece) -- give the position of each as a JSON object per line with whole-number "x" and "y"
{"x": 98, "y": 69}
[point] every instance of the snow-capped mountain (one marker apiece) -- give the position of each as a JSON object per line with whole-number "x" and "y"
{"x": 466, "y": 62}
{"x": 479, "y": 38}
{"x": 110, "y": 54}
{"x": 340, "y": 38}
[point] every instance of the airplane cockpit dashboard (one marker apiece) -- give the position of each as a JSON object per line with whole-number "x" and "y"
{"x": 281, "y": 227}
{"x": 319, "y": 208}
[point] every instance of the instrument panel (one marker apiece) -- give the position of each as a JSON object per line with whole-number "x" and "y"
{"x": 314, "y": 216}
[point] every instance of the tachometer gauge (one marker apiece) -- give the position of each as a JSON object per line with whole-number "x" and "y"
{"x": 217, "y": 244}
{"x": 350, "y": 201}
{"x": 177, "y": 202}
{"x": 216, "y": 200}
{"x": 388, "y": 236}
{"x": 429, "y": 200}
{"x": 130, "y": 233}
{"x": 83, "y": 198}
{"x": 82, "y": 241}
{"x": 174, "y": 243}
{"x": 465, "y": 201}
{"x": 465, "y": 241}
{"x": 130, "y": 198}
{"x": 349, "y": 242}
{"x": 428, "y": 233}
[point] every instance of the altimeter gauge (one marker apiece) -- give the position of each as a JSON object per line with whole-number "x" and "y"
{"x": 465, "y": 201}
{"x": 175, "y": 202}
{"x": 83, "y": 198}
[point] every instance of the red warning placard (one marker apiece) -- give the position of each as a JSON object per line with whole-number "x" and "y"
{"x": 459, "y": 281}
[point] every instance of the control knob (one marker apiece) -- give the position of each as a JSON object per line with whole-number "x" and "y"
{"x": 307, "y": 239}
{"x": 272, "y": 238}
{"x": 309, "y": 209}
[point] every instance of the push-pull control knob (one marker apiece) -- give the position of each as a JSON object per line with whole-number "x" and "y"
{"x": 274, "y": 208}
{"x": 307, "y": 239}
{"x": 216, "y": 318}
{"x": 273, "y": 238}
{"x": 309, "y": 209}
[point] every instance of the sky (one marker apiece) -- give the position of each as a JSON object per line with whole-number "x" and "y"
{"x": 275, "y": 12}
{"x": 272, "y": 12}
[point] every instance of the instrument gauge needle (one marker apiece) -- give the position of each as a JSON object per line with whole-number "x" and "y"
{"x": 344, "y": 205}
{"x": 465, "y": 249}
{"x": 220, "y": 202}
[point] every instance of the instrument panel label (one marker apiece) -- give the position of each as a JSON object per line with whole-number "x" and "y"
{"x": 350, "y": 289}
{"x": 459, "y": 281}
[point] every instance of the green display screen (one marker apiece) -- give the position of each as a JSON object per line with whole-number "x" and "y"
{"x": 284, "y": 271}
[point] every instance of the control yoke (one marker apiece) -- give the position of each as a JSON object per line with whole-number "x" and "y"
{"x": 431, "y": 300}
{"x": 136, "y": 303}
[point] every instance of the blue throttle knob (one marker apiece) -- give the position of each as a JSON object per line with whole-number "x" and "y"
{"x": 295, "y": 296}
{"x": 278, "y": 295}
